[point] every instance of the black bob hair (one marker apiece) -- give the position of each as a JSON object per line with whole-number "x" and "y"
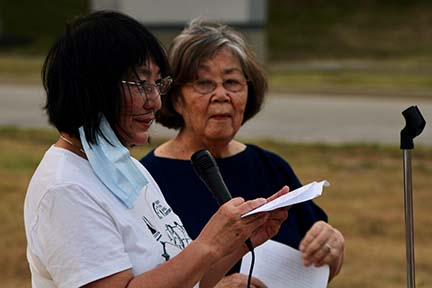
{"x": 82, "y": 72}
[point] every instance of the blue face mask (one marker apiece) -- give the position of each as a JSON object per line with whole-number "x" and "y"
{"x": 113, "y": 165}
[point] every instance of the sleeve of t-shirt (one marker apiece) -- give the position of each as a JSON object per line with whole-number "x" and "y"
{"x": 78, "y": 239}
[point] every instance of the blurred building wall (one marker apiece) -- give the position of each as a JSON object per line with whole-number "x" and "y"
{"x": 166, "y": 18}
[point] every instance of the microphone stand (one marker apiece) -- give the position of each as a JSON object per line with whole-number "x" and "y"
{"x": 414, "y": 125}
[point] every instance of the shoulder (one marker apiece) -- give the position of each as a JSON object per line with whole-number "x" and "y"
{"x": 153, "y": 164}
{"x": 158, "y": 166}
{"x": 267, "y": 156}
{"x": 73, "y": 214}
{"x": 149, "y": 174}
{"x": 70, "y": 201}
{"x": 259, "y": 150}
{"x": 61, "y": 174}
{"x": 274, "y": 165}
{"x": 64, "y": 185}
{"x": 149, "y": 158}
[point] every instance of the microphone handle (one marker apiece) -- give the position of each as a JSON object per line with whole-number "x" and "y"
{"x": 220, "y": 192}
{"x": 206, "y": 167}
{"x": 218, "y": 188}
{"x": 215, "y": 184}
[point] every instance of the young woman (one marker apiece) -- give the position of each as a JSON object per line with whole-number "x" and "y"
{"x": 94, "y": 217}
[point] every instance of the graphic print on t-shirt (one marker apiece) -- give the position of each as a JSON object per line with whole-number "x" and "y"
{"x": 156, "y": 234}
{"x": 160, "y": 210}
{"x": 177, "y": 234}
{"x": 177, "y": 237}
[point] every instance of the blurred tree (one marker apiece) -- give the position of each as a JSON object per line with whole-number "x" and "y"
{"x": 356, "y": 28}
{"x": 40, "y": 21}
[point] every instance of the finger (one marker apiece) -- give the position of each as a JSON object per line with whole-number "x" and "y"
{"x": 281, "y": 192}
{"x": 311, "y": 235}
{"x": 325, "y": 251}
{"x": 248, "y": 225}
{"x": 250, "y": 205}
{"x": 327, "y": 258}
{"x": 280, "y": 214}
{"x": 317, "y": 248}
{"x": 273, "y": 224}
{"x": 277, "y": 217}
{"x": 239, "y": 280}
{"x": 237, "y": 201}
{"x": 256, "y": 217}
{"x": 257, "y": 283}
{"x": 335, "y": 243}
{"x": 318, "y": 245}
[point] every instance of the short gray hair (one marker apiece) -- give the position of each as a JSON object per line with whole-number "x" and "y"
{"x": 199, "y": 41}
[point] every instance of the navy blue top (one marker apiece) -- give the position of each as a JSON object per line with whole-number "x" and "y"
{"x": 250, "y": 174}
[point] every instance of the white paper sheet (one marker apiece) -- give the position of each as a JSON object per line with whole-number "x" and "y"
{"x": 304, "y": 193}
{"x": 280, "y": 266}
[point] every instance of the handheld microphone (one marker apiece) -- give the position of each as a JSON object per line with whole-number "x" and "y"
{"x": 207, "y": 169}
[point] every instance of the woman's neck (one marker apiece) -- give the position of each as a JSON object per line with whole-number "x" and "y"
{"x": 71, "y": 143}
{"x": 182, "y": 147}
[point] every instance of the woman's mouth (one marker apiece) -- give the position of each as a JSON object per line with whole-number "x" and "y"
{"x": 144, "y": 120}
{"x": 221, "y": 116}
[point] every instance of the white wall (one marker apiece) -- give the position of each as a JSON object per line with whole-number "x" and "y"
{"x": 172, "y": 12}
{"x": 166, "y": 18}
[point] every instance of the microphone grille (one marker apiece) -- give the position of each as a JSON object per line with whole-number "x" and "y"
{"x": 202, "y": 160}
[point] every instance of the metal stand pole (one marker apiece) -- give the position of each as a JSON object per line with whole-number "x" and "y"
{"x": 415, "y": 124}
{"x": 409, "y": 219}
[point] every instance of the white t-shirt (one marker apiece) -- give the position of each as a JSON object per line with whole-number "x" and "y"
{"x": 78, "y": 231}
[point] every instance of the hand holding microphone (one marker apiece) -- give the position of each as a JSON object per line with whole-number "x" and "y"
{"x": 262, "y": 225}
{"x": 206, "y": 168}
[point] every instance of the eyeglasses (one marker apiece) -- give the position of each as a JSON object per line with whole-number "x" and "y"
{"x": 162, "y": 86}
{"x": 205, "y": 86}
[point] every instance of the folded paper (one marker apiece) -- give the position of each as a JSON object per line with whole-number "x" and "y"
{"x": 302, "y": 194}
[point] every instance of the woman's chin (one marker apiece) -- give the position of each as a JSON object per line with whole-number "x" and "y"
{"x": 221, "y": 137}
{"x": 139, "y": 140}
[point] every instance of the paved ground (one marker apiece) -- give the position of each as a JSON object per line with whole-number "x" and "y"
{"x": 299, "y": 118}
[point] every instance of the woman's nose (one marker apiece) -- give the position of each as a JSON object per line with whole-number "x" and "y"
{"x": 220, "y": 94}
{"x": 153, "y": 99}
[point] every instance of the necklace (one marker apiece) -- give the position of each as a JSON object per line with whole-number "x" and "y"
{"x": 71, "y": 143}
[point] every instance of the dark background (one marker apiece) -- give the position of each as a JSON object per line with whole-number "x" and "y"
{"x": 306, "y": 29}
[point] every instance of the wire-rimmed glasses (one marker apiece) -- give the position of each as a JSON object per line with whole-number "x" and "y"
{"x": 205, "y": 86}
{"x": 162, "y": 86}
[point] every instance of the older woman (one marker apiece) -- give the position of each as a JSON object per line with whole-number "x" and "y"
{"x": 94, "y": 217}
{"x": 218, "y": 86}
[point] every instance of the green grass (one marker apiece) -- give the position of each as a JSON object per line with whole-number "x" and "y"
{"x": 364, "y": 201}
{"x": 396, "y": 77}
{"x": 385, "y": 78}
{"x": 20, "y": 69}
